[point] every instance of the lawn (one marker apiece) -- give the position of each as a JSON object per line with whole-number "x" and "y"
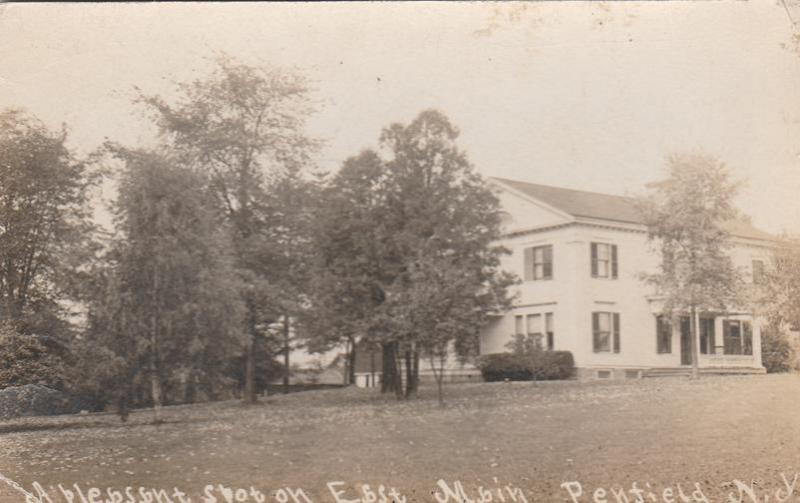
{"x": 662, "y": 434}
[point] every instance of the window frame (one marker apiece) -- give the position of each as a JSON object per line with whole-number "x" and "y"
{"x": 614, "y": 344}
{"x": 535, "y": 335}
{"x": 758, "y": 273}
{"x": 532, "y": 261}
{"x": 744, "y": 338}
{"x": 707, "y": 345}
{"x": 663, "y": 334}
{"x": 611, "y": 262}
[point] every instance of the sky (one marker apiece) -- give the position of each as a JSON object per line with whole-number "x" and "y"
{"x": 592, "y": 96}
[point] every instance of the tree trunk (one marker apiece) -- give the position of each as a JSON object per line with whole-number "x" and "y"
{"x": 155, "y": 367}
{"x": 190, "y": 391}
{"x": 695, "y": 343}
{"x": 250, "y": 372}
{"x": 415, "y": 371}
{"x": 351, "y": 367}
{"x": 123, "y": 401}
{"x": 286, "y": 349}
{"x": 372, "y": 367}
{"x": 399, "y": 391}
{"x": 409, "y": 359}
{"x": 156, "y": 391}
{"x": 388, "y": 379}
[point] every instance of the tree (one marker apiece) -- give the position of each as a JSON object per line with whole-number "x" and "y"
{"x": 446, "y": 224}
{"x": 685, "y": 215}
{"x": 244, "y": 128}
{"x": 171, "y": 305}
{"x": 45, "y": 232}
{"x": 407, "y": 255}
{"x": 778, "y": 299}
{"x": 351, "y": 259}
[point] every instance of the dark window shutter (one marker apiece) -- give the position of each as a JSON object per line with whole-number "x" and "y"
{"x": 596, "y": 332}
{"x": 616, "y": 332}
{"x": 594, "y": 260}
{"x": 613, "y": 261}
{"x": 548, "y": 262}
{"x": 659, "y": 334}
{"x": 528, "y": 276}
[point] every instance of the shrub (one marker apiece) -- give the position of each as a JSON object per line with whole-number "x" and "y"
{"x": 33, "y": 400}
{"x": 502, "y": 366}
{"x": 527, "y": 366}
{"x": 777, "y": 353}
{"x": 550, "y": 365}
{"x": 25, "y": 359}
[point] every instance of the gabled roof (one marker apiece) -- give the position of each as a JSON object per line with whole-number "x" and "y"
{"x": 580, "y": 203}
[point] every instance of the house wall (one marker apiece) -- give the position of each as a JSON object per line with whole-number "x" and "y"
{"x": 573, "y": 294}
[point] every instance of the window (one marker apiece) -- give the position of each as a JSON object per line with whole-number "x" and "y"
{"x": 737, "y": 337}
{"x": 548, "y": 328}
{"x": 604, "y": 260}
{"x": 663, "y": 335}
{"x": 605, "y": 332}
{"x": 539, "y": 263}
{"x": 534, "y": 326}
{"x": 518, "y": 325}
{"x": 707, "y": 336}
{"x": 603, "y": 374}
{"x": 758, "y": 272}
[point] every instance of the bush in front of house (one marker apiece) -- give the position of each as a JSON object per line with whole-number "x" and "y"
{"x": 552, "y": 365}
{"x": 505, "y": 366}
{"x": 777, "y": 353}
{"x": 536, "y": 365}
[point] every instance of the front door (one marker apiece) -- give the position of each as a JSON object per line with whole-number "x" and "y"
{"x": 686, "y": 341}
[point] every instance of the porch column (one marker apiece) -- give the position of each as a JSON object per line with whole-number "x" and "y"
{"x": 719, "y": 336}
{"x": 756, "y": 324}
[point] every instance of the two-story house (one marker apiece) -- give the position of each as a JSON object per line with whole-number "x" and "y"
{"x": 579, "y": 256}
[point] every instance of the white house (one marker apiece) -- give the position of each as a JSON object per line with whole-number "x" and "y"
{"x": 579, "y": 255}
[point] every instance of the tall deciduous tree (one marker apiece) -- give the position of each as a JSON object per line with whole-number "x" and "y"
{"x": 686, "y": 215}
{"x": 244, "y": 127}
{"x": 45, "y": 230}
{"x": 352, "y": 258}
{"x": 407, "y": 250}
{"x": 446, "y": 222}
{"x": 172, "y": 300}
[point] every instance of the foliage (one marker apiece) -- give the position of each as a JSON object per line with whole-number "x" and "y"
{"x": 779, "y": 292}
{"x": 94, "y": 374}
{"x": 28, "y": 359}
{"x": 777, "y": 353}
{"x": 45, "y": 232}
{"x": 406, "y": 249}
{"x": 169, "y": 299}
{"x": 527, "y": 361}
{"x": 505, "y": 366}
{"x": 244, "y": 128}
{"x": 686, "y": 215}
{"x": 33, "y": 400}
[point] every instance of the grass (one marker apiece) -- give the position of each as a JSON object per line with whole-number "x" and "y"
{"x": 661, "y": 432}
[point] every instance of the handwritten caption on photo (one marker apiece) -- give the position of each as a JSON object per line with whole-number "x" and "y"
{"x": 784, "y": 490}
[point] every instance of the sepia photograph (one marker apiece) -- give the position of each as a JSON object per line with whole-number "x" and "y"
{"x": 396, "y": 252}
